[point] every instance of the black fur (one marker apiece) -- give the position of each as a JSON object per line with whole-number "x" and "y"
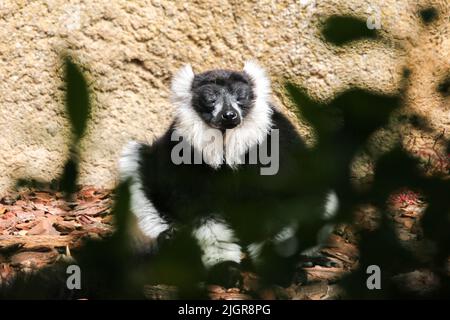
{"x": 257, "y": 207}
{"x": 184, "y": 193}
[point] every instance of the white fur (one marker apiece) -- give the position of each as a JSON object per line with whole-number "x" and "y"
{"x": 256, "y": 124}
{"x": 217, "y": 242}
{"x": 254, "y": 250}
{"x": 286, "y": 233}
{"x": 149, "y": 220}
{"x": 331, "y": 205}
{"x": 330, "y": 210}
{"x": 181, "y": 86}
{"x": 237, "y": 141}
{"x": 217, "y": 108}
{"x": 236, "y": 107}
{"x": 188, "y": 124}
{"x": 285, "y": 243}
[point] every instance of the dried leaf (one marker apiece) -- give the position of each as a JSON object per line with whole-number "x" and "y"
{"x": 33, "y": 259}
{"x": 66, "y": 226}
{"x": 42, "y": 197}
{"x": 24, "y": 216}
{"x": 44, "y": 227}
{"x": 6, "y": 273}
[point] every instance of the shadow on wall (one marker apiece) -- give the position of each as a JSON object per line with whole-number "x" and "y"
{"x": 342, "y": 127}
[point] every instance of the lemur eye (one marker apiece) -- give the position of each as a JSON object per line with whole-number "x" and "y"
{"x": 209, "y": 99}
{"x": 241, "y": 96}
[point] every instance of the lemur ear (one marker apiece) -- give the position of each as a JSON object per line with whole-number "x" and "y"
{"x": 181, "y": 85}
{"x": 261, "y": 81}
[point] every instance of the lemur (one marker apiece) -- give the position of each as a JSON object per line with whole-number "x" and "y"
{"x": 225, "y": 118}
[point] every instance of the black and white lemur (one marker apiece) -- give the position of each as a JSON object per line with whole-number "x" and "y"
{"x": 232, "y": 205}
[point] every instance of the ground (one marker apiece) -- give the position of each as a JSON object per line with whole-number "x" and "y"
{"x": 38, "y": 228}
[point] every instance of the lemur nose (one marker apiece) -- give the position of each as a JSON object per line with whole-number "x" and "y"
{"x": 229, "y": 115}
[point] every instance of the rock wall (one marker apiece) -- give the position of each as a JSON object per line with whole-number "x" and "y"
{"x": 131, "y": 48}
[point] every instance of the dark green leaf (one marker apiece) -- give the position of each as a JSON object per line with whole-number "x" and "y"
{"x": 341, "y": 30}
{"x": 68, "y": 182}
{"x": 77, "y": 98}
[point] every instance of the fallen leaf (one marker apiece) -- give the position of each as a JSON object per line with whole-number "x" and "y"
{"x": 8, "y": 215}
{"x": 91, "y": 210}
{"x": 314, "y": 291}
{"x": 5, "y": 224}
{"x": 85, "y": 219}
{"x": 31, "y": 259}
{"x": 229, "y": 296}
{"x": 6, "y": 273}
{"x": 21, "y": 203}
{"x": 216, "y": 289}
{"x": 66, "y": 226}
{"x": 108, "y": 219}
{"x": 250, "y": 281}
{"x": 160, "y": 292}
{"x": 88, "y": 194}
{"x": 42, "y": 197}
{"x": 8, "y": 200}
{"x": 24, "y": 216}
{"x": 43, "y": 227}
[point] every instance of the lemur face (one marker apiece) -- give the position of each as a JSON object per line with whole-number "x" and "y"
{"x": 222, "y": 98}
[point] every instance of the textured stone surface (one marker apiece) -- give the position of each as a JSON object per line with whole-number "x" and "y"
{"x": 131, "y": 48}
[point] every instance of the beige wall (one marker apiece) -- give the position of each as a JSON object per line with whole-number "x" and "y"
{"x": 131, "y": 48}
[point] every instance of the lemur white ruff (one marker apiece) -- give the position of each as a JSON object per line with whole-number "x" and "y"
{"x": 209, "y": 196}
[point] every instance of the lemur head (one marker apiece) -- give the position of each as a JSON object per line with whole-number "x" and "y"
{"x": 222, "y": 98}
{"x": 236, "y": 103}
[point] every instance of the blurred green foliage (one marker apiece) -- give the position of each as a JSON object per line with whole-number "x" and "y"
{"x": 78, "y": 104}
{"x": 341, "y": 30}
